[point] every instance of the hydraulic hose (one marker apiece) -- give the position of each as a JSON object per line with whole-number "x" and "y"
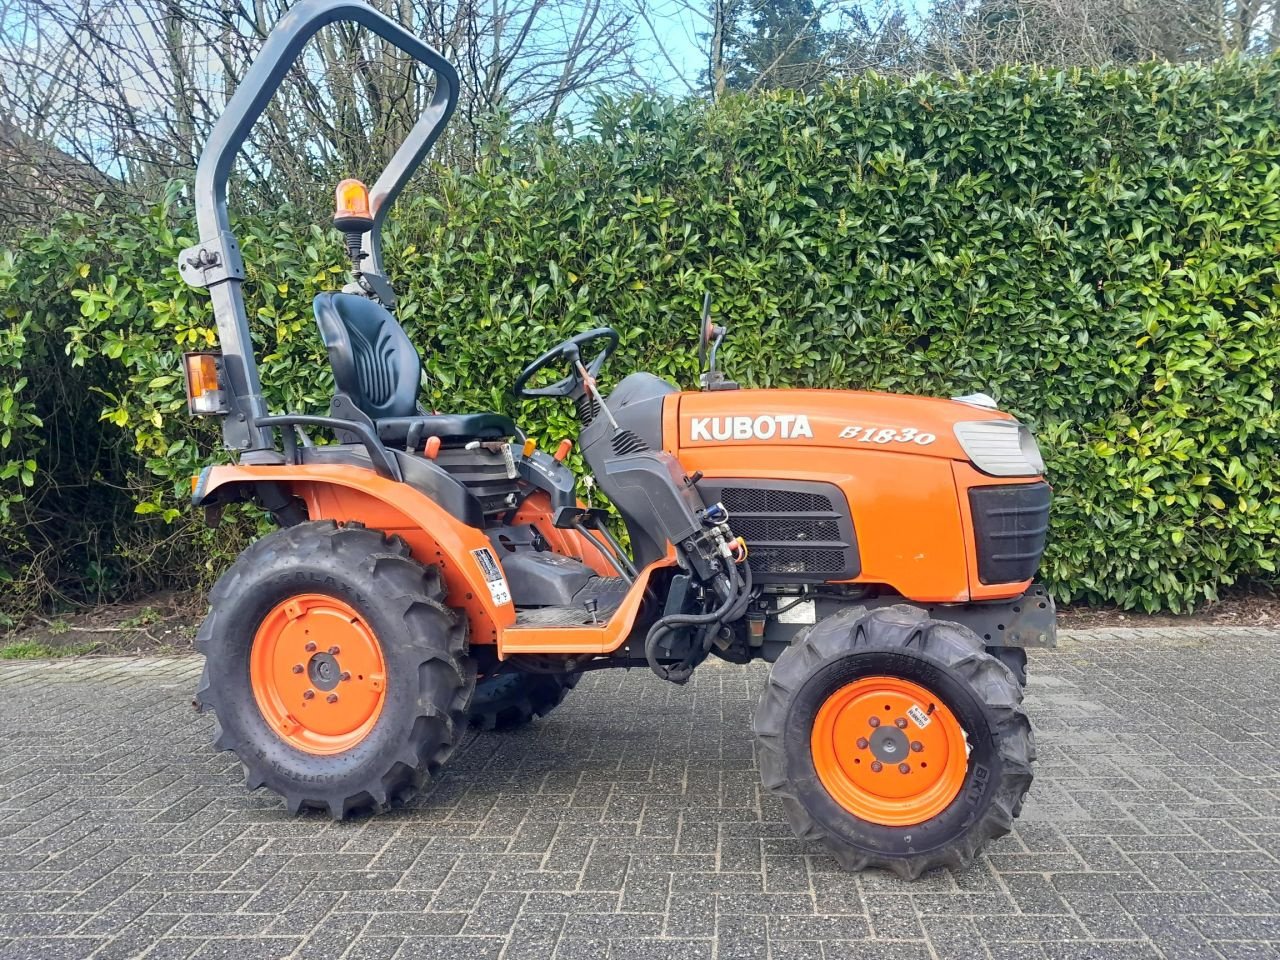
{"x": 679, "y": 673}
{"x": 744, "y": 595}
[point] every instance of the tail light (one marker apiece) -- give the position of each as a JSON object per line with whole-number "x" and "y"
{"x": 205, "y": 394}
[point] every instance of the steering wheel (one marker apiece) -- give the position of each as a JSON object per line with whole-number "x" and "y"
{"x": 570, "y": 351}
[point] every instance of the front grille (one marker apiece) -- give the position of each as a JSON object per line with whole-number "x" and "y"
{"x": 795, "y": 531}
{"x": 1010, "y": 523}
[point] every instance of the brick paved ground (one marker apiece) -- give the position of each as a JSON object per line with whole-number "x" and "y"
{"x": 629, "y": 824}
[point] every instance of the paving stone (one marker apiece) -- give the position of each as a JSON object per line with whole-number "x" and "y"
{"x": 630, "y": 824}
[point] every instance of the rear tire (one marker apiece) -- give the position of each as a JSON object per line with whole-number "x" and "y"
{"x": 512, "y": 699}
{"x": 281, "y": 606}
{"x": 981, "y": 744}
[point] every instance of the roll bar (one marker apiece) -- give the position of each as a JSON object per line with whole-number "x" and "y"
{"x": 215, "y": 262}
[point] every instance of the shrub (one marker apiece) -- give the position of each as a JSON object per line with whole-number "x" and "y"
{"x": 1097, "y": 249}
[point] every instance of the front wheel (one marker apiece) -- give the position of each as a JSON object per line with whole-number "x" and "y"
{"x": 895, "y": 740}
{"x": 337, "y": 674}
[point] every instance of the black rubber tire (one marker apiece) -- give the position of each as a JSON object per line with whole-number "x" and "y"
{"x": 947, "y": 659}
{"x": 508, "y": 700}
{"x": 430, "y": 677}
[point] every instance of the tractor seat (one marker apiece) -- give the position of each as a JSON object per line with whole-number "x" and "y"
{"x": 377, "y": 371}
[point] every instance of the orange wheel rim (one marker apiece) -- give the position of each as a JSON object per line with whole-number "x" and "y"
{"x": 889, "y": 751}
{"x": 318, "y": 674}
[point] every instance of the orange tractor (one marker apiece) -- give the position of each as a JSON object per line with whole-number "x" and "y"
{"x": 433, "y": 571}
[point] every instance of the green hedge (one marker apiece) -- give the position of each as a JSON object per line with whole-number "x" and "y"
{"x": 1097, "y": 249}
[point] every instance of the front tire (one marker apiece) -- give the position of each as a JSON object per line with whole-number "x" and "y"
{"x": 894, "y": 740}
{"x": 337, "y": 675}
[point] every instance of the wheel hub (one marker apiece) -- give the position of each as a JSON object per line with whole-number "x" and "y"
{"x": 323, "y": 671}
{"x": 890, "y": 745}
{"x": 889, "y": 751}
{"x": 318, "y": 674}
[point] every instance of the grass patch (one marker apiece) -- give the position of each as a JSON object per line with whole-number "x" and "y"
{"x": 31, "y": 650}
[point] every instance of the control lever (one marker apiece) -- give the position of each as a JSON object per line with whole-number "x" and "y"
{"x": 590, "y": 383}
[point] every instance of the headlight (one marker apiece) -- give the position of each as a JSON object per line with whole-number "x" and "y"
{"x": 1001, "y": 448}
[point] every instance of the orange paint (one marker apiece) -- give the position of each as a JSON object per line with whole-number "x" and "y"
{"x": 603, "y": 638}
{"x": 536, "y": 510}
{"x": 344, "y": 493}
{"x": 909, "y": 513}
{"x": 783, "y": 419}
{"x": 896, "y": 459}
{"x": 317, "y": 673}
{"x": 888, "y": 751}
{"x": 967, "y": 476}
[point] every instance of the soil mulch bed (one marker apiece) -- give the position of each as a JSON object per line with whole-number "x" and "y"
{"x": 161, "y": 625}
{"x": 1255, "y": 606}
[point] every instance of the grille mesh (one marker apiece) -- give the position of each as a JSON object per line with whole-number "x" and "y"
{"x": 792, "y": 534}
{"x": 778, "y": 560}
{"x": 755, "y": 500}
{"x": 790, "y": 529}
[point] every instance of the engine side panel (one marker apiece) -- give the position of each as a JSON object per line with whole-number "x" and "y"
{"x": 822, "y": 419}
{"x": 904, "y": 511}
{"x": 895, "y": 459}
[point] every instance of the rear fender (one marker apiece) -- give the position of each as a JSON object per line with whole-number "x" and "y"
{"x": 347, "y": 493}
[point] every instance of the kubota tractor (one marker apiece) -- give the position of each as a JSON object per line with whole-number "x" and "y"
{"x": 435, "y": 570}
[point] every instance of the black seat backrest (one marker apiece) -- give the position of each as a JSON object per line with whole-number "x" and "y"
{"x": 373, "y": 360}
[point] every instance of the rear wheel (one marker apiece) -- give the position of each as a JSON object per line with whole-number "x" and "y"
{"x": 507, "y": 700}
{"x": 894, "y": 740}
{"x": 337, "y": 675}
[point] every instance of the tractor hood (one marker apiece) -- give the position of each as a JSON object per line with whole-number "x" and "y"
{"x": 841, "y": 419}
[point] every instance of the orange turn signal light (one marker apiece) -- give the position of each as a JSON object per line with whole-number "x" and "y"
{"x": 351, "y": 208}
{"x": 205, "y": 396}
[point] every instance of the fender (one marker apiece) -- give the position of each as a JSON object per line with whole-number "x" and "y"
{"x": 344, "y": 493}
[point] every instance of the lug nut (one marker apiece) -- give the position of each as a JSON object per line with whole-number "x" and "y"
{"x": 874, "y": 721}
{"x": 876, "y": 766}
{"x": 297, "y": 668}
{"x": 904, "y": 768}
{"x": 308, "y": 694}
{"x": 310, "y": 647}
{"x": 862, "y": 743}
{"x": 334, "y": 651}
{"x": 344, "y": 675}
{"x": 916, "y": 746}
{"x": 331, "y": 698}
{"x": 901, "y": 723}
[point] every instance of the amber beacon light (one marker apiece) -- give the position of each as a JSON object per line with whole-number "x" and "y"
{"x": 351, "y": 209}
